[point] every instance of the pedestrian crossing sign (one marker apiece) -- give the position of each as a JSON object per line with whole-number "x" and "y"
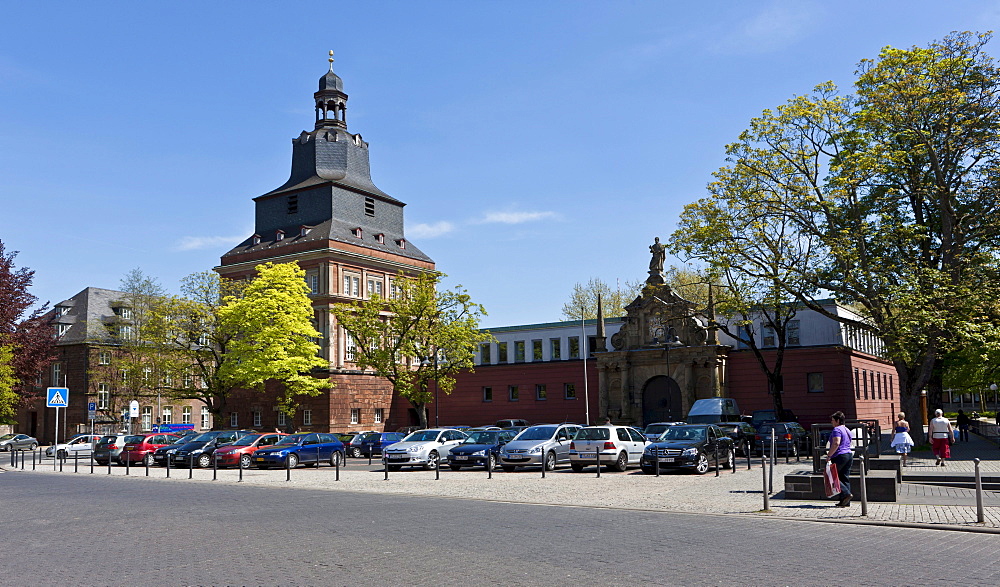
{"x": 58, "y": 397}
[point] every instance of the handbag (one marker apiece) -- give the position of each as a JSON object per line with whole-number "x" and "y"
{"x": 831, "y": 481}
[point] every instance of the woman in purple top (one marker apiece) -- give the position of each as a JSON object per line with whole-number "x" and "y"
{"x": 841, "y": 455}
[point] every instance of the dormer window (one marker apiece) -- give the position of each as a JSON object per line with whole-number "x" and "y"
{"x": 256, "y": 239}
{"x": 62, "y": 310}
{"x": 304, "y": 230}
{"x": 356, "y": 232}
{"x": 401, "y": 242}
{"x": 370, "y": 207}
{"x": 279, "y": 235}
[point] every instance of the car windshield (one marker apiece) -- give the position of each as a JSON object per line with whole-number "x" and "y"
{"x": 247, "y": 440}
{"x": 769, "y": 428}
{"x": 292, "y": 440}
{"x": 422, "y": 436}
{"x": 134, "y": 439}
{"x": 482, "y": 437}
{"x": 683, "y": 433}
{"x": 728, "y": 427}
{"x": 538, "y": 433}
{"x": 370, "y": 437}
{"x": 656, "y": 429}
{"x": 203, "y": 437}
{"x": 6, "y": 437}
{"x": 594, "y": 434}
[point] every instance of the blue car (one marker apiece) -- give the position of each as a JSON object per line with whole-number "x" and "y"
{"x": 308, "y": 448}
{"x": 481, "y": 448}
{"x": 374, "y": 442}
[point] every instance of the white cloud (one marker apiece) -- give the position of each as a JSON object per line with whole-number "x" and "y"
{"x": 430, "y": 230}
{"x": 195, "y": 243}
{"x": 515, "y": 217}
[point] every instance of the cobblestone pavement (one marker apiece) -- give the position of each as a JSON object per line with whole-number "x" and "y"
{"x": 729, "y": 493}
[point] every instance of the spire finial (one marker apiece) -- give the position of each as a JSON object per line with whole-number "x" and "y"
{"x": 331, "y": 59}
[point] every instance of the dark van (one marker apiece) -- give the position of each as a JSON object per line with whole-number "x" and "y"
{"x": 713, "y": 410}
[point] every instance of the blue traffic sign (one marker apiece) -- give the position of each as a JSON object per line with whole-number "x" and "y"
{"x": 91, "y": 406}
{"x": 57, "y": 397}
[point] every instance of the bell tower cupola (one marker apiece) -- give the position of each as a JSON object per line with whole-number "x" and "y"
{"x": 331, "y": 101}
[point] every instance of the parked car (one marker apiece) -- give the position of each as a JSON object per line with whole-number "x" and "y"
{"x": 543, "y": 445}
{"x": 10, "y": 442}
{"x": 481, "y": 448}
{"x": 761, "y": 417}
{"x": 614, "y": 446}
{"x": 81, "y": 444}
{"x": 164, "y": 453}
{"x": 139, "y": 448}
{"x": 743, "y": 435}
{"x": 653, "y": 431}
{"x": 713, "y": 410}
{"x": 423, "y": 448}
{"x": 109, "y": 448}
{"x": 240, "y": 453}
{"x": 790, "y": 438}
{"x": 308, "y": 448}
{"x": 511, "y": 422}
{"x": 689, "y": 447}
{"x": 375, "y": 442}
{"x": 199, "y": 449}
{"x": 354, "y": 448}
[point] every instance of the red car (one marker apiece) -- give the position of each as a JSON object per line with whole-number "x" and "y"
{"x": 140, "y": 447}
{"x": 238, "y": 453}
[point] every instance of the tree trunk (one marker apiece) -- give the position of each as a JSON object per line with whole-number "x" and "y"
{"x": 774, "y": 383}
{"x": 421, "y": 412}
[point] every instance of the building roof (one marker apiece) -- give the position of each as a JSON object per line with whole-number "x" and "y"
{"x": 87, "y": 315}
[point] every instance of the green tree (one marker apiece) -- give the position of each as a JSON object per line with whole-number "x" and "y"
{"x": 8, "y": 397}
{"x": 895, "y": 189}
{"x": 582, "y": 302}
{"x": 272, "y": 336}
{"x": 418, "y": 336}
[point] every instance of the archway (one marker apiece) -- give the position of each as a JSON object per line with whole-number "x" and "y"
{"x": 661, "y": 400}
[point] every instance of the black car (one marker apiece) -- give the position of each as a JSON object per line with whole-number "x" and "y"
{"x": 199, "y": 449}
{"x": 743, "y": 435}
{"x": 790, "y": 438}
{"x": 160, "y": 455}
{"x": 692, "y": 446}
{"x": 481, "y": 448}
{"x": 373, "y": 442}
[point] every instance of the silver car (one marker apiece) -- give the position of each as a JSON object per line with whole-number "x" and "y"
{"x": 423, "y": 448}
{"x": 18, "y": 442}
{"x": 81, "y": 444}
{"x": 616, "y": 446}
{"x": 535, "y": 445}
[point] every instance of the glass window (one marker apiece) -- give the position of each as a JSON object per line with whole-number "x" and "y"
{"x": 104, "y": 358}
{"x": 186, "y": 415}
{"x": 56, "y": 374}
{"x": 623, "y": 434}
{"x": 234, "y": 419}
{"x": 484, "y": 354}
{"x": 769, "y": 340}
{"x": 355, "y": 415}
{"x": 540, "y": 393}
{"x": 518, "y": 351}
{"x": 103, "y": 396}
{"x": 307, "y": 417}
{"x": 352, "y": 285}
{"x": 792, "y": 332}
{"x": 350, "y": 347}
{"x": 312, "y": 280}
{"x": 574, "y": 347}
{"x": 487, "y": 394}
{"x": 206, "y": 421}
{"x": 512, "y": 393}
{"x": 282, "y": 419}
{"x": 743, "y": 337}
{"x": 536, "y": 350}
{"x": 257, "y": 418}
{"x": 168, "y": 415}
{"x": 815, "y": 382}
{"x": 147, "y": 418}
{"x": 379, "y": 415}
{"x": 555, "y": 349}
{"x": 569, "y": 390}
{"x": 374, "y": 287}
{"x": 501, "y": 352}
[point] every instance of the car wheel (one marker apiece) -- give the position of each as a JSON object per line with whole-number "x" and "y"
{"x": 701, "y": 466}
{"x": 621, "y": 464}
{"x": 395, "y": 467}
{"x": 61, "y": 455}
{"x": 577, "y": 467}
{"x": 550, "y": 461}
{"x": 507, "y": 468}
{"x": 148, "y": 459}
{"x": 491, "y": 462}
{"x": 355, "y": 452}
{"x": 245, "y": 461}
{"x": 455, "y": 467}
{"x": 795, "y": 450}
{"x": 293, "y": 461}
{"x": 432, "y": 461}
{"x": 731, "y": 459}
{"x": 33, "y": 446}
{"x": 336, "y": 459}
{"x": 204, "y": 461}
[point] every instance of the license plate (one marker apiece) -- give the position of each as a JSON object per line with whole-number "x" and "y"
{"x": 398, "y": 458}
{"x": 260, "y": 459}
{"x": 588, "y": 455}
{"x": 667, "y": 460}
{"x": 461, "y": 458}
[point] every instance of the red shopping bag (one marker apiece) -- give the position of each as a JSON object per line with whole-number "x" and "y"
{"x": 830, "y": 480}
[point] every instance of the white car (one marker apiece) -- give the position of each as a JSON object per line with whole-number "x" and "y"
{"x": 81, "y": 444}
{"x": 616, "y": 446}
{"x": 423, "y": 448}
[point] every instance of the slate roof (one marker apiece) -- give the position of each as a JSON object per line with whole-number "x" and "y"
{"x": 89, "y": 312}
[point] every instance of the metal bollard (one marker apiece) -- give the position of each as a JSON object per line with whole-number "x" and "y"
{"x": 489, "y": 467}
{"x": 128, "y": 463}
{"x": 33, "y": 463}
{"x": 168, "y": 465}
{"x": 13, "y": 458}
{"x": 734, "y": 458}
{"x": 145, "y": 462}
{"x": 864, "y": 492}
{"x": 980, "y": 515}
{"x": 288, "y": 469}
{"x": 58, "y": 458}
{"x": 716, "y": 457}
{"x": 317, "y": 457}
{"x": 385, "y": 466}
{"x": 191, "y": 466}
{"x": 597, "y": 461}
{"x": 544, "y": 456}
{"x": 109, "y": 463}
{"x": 215, "y": 467}
{"x": 91, "y": 462}
{"x": 656, "y": 461}
{"x": 76, "y": 462}
{"x": 239, "y": 465}
{"x": 437, "y": 469}
{"x": 770, "y": 481}
{"x": 763, "y": 468}
{"x": 336, "y": 464}
{"x": 371, "y": 453}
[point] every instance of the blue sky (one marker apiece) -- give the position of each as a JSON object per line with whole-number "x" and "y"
{"x": 536, "y": 144}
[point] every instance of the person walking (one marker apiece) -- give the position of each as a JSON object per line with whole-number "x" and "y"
{"x": 902, "y": 441}
{"x": 963, "y": 422}
{"x": 942, "y": 435}
{"x": 841, "y": 455}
